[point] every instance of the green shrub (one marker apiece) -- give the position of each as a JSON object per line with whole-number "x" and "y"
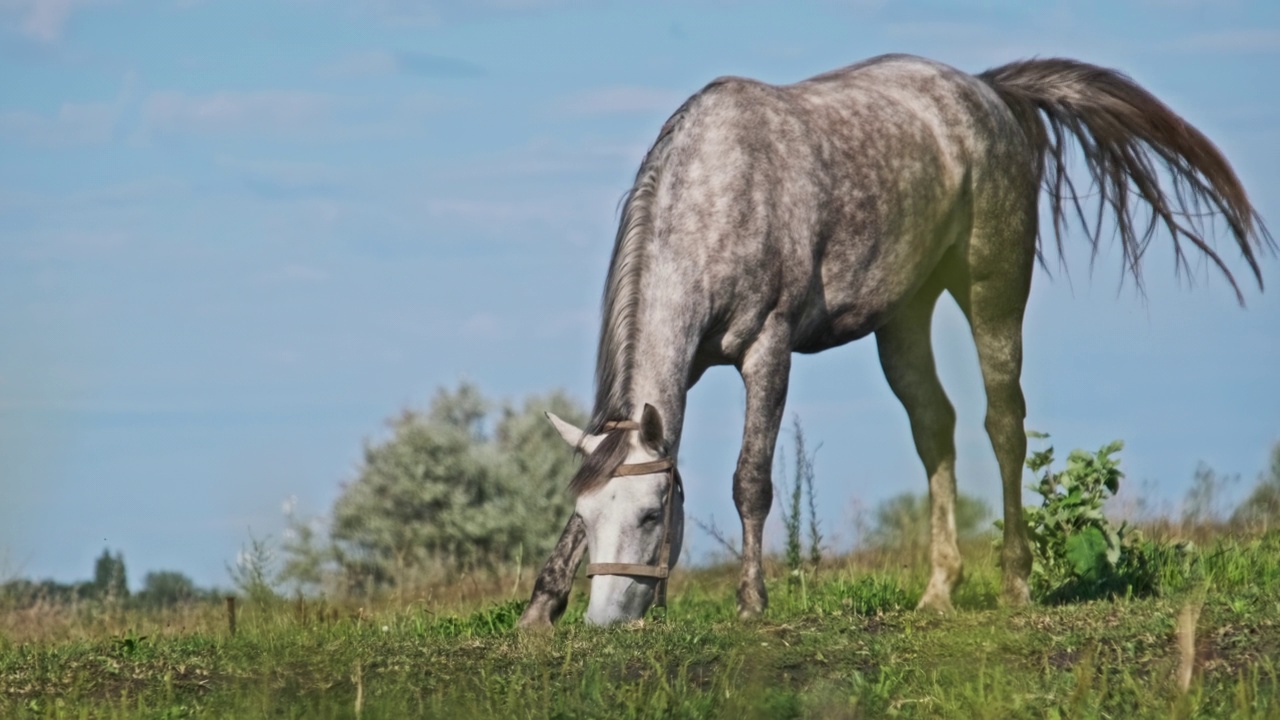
{"x": 1078, "y": 554}
{"x": 453, "y": 490}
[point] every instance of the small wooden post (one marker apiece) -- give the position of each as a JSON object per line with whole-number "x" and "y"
{"x": 231, "y": 614}
{"x": 1187, "y": 620}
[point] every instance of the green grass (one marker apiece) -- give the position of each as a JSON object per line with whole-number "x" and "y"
{"x": 845, "y": 643}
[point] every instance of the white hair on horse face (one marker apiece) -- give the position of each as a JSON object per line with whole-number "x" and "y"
{"x": 624, "y": 520}
{"x": 627, "y": 522}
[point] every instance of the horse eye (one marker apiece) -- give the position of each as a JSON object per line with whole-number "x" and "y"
{"x": 651, "y": 518}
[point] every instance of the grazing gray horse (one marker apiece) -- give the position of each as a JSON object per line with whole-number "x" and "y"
{"x": 767, "y": 220}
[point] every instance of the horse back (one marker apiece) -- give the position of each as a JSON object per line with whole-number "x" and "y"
{"x": 830, "y": 200}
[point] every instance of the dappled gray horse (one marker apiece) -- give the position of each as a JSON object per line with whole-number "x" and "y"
{"x": 767, "y": 220}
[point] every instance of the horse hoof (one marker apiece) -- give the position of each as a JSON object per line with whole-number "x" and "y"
{"x": 1016, "y": 594}
{"x": 751, "y": 602}
{"x": 936, "y": 602}
{"x": 534, "y": 624}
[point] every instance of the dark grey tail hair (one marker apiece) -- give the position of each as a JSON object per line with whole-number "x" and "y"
{"x": 1128, "y": 137}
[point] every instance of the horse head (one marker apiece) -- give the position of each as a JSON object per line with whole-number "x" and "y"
{"x": 631, "y": 502}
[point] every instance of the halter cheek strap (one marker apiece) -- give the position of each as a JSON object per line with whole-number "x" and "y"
{"x": 662, "y": 569}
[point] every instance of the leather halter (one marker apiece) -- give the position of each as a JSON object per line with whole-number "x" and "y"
{"x": 662, "y": 569}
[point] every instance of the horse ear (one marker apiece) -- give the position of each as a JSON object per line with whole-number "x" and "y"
{"x": 578, "y": 439}
{"x": 651, "y": 427}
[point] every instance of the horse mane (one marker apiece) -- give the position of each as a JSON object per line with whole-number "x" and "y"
{"x": 601, "y": 465}
{"x": 615, "y": 356}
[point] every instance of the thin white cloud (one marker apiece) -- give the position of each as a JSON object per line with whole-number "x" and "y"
{"x": 46, "y": 19}
{"x": 382, "y": 63}
{"x": 572, "y": 218}
{"x": 498, "y": 213}
{"x": 73, "y": 124}
{"x": 403, "y": 12}
{"x": 623, "y": 100}
{"x": 75, "y": 245}
{"x": 1184, "y": 4}
{"x": 282, "y": 174}
{"x": 288, "y": 114}
{"x": 944, "y": 30}
{"x": 433, "y": 12}
{"x": 544, "y": 157}
{"x": 231, "y": 112}
{"x": 373, "y": 63}
{"x": 43, "y": 20}
{"x": 1236, "y": 41}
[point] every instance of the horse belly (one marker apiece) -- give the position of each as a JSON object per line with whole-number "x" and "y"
{"x": 867, "y": 276}
{"x": 843, "y": 326}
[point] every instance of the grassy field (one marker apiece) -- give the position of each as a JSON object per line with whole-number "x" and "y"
{"x": 841, "y": 642}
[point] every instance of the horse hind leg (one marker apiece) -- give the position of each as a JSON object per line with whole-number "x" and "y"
{"x": 906, "y": 355}
{"x": 995, "y": 303}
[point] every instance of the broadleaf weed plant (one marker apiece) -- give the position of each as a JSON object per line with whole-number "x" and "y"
{"x": 1079, "y": 554}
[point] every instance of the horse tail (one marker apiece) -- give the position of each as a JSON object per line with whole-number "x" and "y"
{"x": 1132, "y": 144}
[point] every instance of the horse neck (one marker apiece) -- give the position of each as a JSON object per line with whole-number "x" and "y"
{"x": 664, "y": 339}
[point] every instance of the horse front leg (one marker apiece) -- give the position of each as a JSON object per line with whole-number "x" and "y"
{"x": 551, "y": 589}
{"x": 765, "y": 369}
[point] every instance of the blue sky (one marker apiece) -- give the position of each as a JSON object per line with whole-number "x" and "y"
{"x": 237, "y": 235}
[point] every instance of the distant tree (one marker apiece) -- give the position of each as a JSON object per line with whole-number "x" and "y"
{"x": 254, "y": 573}
{"x": 1260, "y": 511}
{"x": 534, "y": 466}
{"x": 464, "y": 410}
{"x": 1204, "y": 503}
{"x": 902, "y": 522}
{"x": 166, "y": 588}
{"x": 22, "y": 593}
{"x": 447, "y": 493}
{"x": 109, "y": 579}
{"x": 308, "y": 555}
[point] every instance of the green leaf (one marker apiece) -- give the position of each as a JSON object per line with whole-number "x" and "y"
{"x": 1086, "y": 551}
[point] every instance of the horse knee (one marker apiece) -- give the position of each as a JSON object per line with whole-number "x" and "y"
{"x": 752, "y": 494}
{"x": 1006, "y": 411}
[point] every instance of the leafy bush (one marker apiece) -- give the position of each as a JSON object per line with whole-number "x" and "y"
{"x": 1078, "y": 553}
{"x": 449, "y": 492}
{"x": 167, "y": 588}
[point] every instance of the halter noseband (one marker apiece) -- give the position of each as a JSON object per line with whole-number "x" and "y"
{"x": 662, "y": 569}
